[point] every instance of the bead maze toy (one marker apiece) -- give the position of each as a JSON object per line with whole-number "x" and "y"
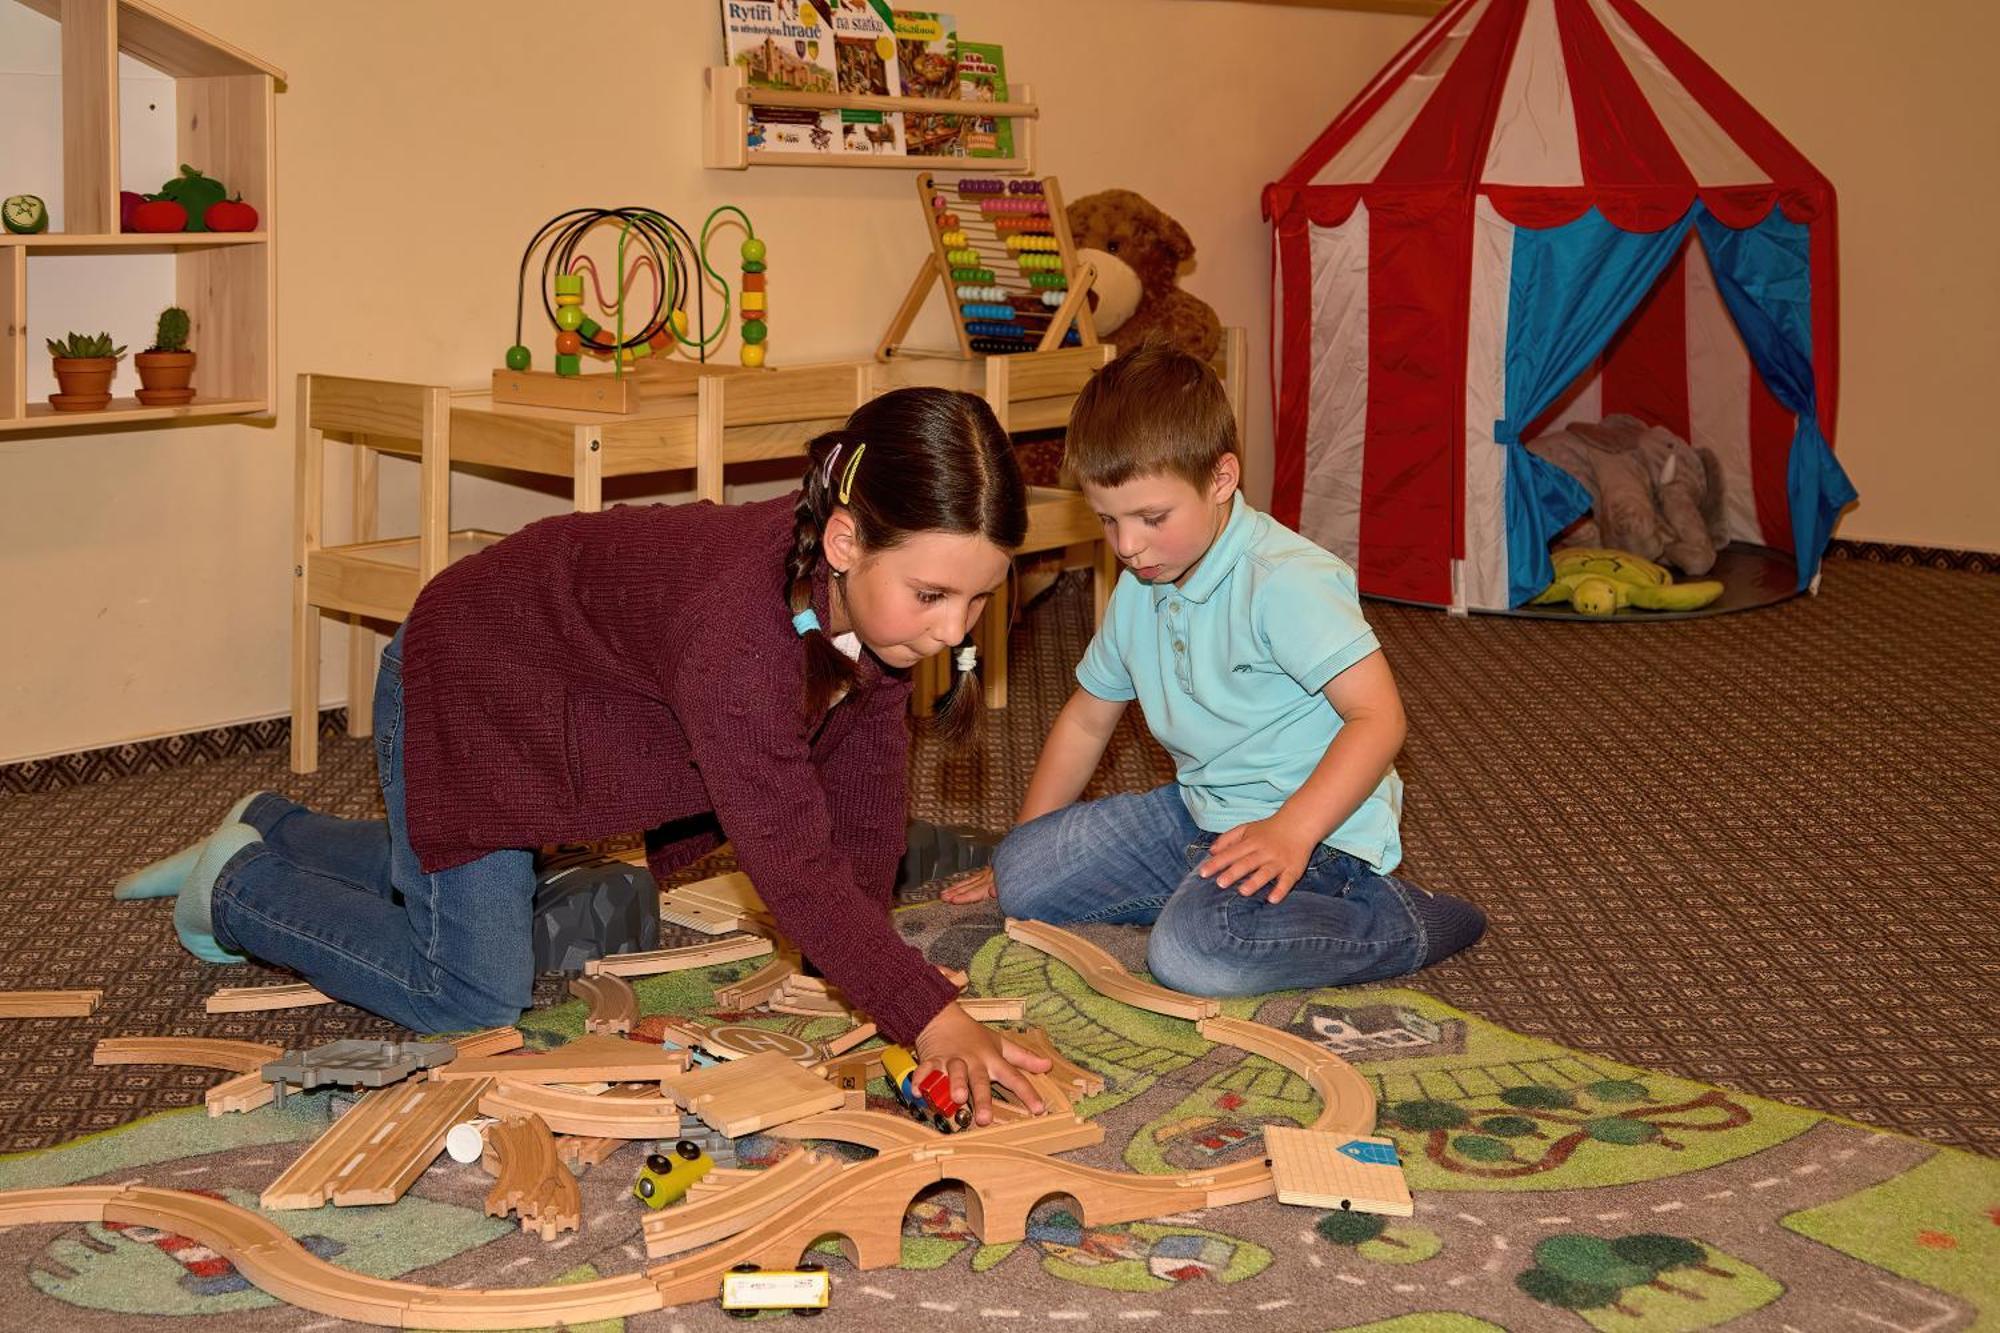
{"x": 1003, "y": 252}
{"x": 677, "y": 263}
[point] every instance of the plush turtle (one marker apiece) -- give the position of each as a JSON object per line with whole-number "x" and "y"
{"x": 1601, "y": 582}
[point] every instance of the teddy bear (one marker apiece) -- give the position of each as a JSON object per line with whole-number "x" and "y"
{"x": 1138, "y": 252}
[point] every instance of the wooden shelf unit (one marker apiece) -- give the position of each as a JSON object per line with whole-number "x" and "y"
{"x": 225, "y": 108}
{"x": 729, "y": 96}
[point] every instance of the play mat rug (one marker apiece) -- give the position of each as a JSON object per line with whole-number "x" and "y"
{"x": 1553, "y": 1191}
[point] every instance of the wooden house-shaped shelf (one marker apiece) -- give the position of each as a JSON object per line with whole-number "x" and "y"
{"x": 225, "y": 112}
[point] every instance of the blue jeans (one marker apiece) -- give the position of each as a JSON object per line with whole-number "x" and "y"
{"x": 1130, "y": 860}
{"x": 344, "y": 903}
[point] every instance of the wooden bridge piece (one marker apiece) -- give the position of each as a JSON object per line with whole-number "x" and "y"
{"x": 1103, "y": 974}
{"x": 374, "y": 1152}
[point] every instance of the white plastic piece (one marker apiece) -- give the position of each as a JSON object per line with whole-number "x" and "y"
{"x": 466, "y": 1143}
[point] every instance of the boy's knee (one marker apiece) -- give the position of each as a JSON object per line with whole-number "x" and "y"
{"x": 1020, "y": 869}
{"x": 1187, "y": 965}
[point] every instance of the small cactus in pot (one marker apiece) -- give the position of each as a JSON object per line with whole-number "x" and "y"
{"x": 167, "y": 367}
{"x": 84, "y": 364}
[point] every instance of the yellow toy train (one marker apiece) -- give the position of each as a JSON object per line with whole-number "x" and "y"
{"x": 665, "y": 1179}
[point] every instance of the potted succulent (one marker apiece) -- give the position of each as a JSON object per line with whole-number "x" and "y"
{"x": 84, "y": 365}
{"x": 166, "y": 367}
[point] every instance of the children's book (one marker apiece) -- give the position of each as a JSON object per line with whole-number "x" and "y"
{"x": 982, "y": 77}
{"x": 927, "y": 51}
{"x": 784, "y": 45}
{"x": 865, "y": 51}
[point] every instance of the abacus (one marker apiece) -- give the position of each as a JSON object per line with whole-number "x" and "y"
{"x": 1002, "y": 249}
{"x": 678, "y": 266}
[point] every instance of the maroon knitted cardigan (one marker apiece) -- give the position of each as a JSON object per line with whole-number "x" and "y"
{"x": 597, "y": 674}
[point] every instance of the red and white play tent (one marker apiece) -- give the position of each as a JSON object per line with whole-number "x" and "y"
{"x": 1543, "y": 210}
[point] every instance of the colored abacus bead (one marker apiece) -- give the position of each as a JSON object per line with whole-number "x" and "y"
{"x": 753, "y": 282}
{"x": 753, "y": 301}
{"x": 751, "y": 354}
{"x": 567, "y": 344}
{"x": 753, "y": 266}
{"x": 569, "y": 317}
{"x": 753, "y": 330}
{"x": 971, "y": 274}
{"x": 519, "y": 357}
{"x": 753, "y": 252}
{"x": 569, "y": 365}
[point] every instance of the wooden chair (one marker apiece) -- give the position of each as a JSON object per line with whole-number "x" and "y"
{"x": 367, "y": 579}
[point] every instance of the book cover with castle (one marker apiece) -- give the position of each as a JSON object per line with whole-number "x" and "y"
{"x": 785, "y": 46}
{"x": 927, "y": 51}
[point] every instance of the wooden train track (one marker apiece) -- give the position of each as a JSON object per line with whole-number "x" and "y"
{"x": 1347, "y": 1100}
{"x": 1103, "y": 973}
{"x": 682, "y": 959}
{"x": 49, "y": 1003}
{"x": 580, "y": 1113}
{"x": 722, "y": 1212}
{"x": 614, "y": 1006}
{"x": 259, "y": 999}
{"x": 532, "y": 1180}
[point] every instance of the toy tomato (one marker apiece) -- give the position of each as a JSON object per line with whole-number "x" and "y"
{"x": 159, "y": 215}
{"x": 128, "y": 203}
{"x": 231, "y": 215}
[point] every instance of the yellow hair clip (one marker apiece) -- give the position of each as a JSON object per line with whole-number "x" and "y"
{"x": 847, "y": 477}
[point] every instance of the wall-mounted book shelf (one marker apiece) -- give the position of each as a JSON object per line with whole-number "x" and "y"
{"x": 725, "y": 146}
{"x": 227, "y": 282}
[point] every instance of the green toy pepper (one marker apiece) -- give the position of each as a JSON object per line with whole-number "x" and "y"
{"x": 194, "y": 192}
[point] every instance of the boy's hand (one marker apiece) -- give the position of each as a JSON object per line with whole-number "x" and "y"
{"x": 973, "y": 888}
{"x": 1250, "y": 856}
{"x": 974, "y": 1058}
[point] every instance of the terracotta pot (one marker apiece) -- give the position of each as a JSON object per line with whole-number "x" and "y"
{"x": 86, "y": 383}
{"x": 165, "y": 376}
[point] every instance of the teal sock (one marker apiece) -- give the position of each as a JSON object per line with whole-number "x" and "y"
{"x": 164, "y": 877}
{"x": 192, "y": 918}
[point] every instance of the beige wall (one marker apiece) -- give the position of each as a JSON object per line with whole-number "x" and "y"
{"x": 145, "y": 577}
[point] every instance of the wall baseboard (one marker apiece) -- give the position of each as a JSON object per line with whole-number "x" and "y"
{"x": 159, "y": 755}
{"x": 1916, "y": 557}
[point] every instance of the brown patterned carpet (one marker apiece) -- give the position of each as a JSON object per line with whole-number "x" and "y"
{"x": 1760, "y": 850}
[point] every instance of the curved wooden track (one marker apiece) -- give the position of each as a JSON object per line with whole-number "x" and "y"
{"x": 238, "y": 1057}
{"x": 614, "y": 1006}
{"x": 532, "y": 1179}
{"x": 1348, "y": 1102}
{"x": 720, "y": 1213}
{"x": 1105, "y": 975}
{"x": 565, "y": 1112}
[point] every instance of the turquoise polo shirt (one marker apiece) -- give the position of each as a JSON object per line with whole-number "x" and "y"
{"x": 1228, "y": 671}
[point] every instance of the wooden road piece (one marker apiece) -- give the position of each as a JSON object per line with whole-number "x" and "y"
{"x": 260, "y": 999}
{"x": 1348, "y": 1101}
{"x": 374, "y": 1152}
{"x": 614, "y": 1006}
{"x": 533, "y": 1182}
{"x": 590, "y": 1059}
{"x": 685, "y": 958}
{"x": 1337, "y": 1171}
{"x": 714, "y": 906}
{"x": 48, "y": 1003}
{"x": 754, "y": 1093}
{"x": 1103, "y": 974}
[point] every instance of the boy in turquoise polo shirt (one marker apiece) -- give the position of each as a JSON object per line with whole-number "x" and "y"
{"x": 1266, "y": 865}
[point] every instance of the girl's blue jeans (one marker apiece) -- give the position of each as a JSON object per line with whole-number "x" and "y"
{"x": 344, "y": 903}
{"x": 1130, "y": 860}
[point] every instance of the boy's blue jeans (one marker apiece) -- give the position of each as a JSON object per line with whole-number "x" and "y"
{"x": 1130, "y": 860}
{"x": 343, "y": 903}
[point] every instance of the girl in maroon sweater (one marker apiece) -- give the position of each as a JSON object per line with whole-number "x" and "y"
{"x": 698, "y": 671}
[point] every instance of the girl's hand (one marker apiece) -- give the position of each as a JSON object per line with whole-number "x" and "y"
{"x": 1250, "y": 856}
{"x": 973, "y": 888}
{"x": 974, "y": 1058}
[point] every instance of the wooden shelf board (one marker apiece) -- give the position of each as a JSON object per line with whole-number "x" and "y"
{"x": 871, "y": 102}
{"x": 175, "y": 240}
{"x": 969, "y": 165}
{"x": 41, "y": 416}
